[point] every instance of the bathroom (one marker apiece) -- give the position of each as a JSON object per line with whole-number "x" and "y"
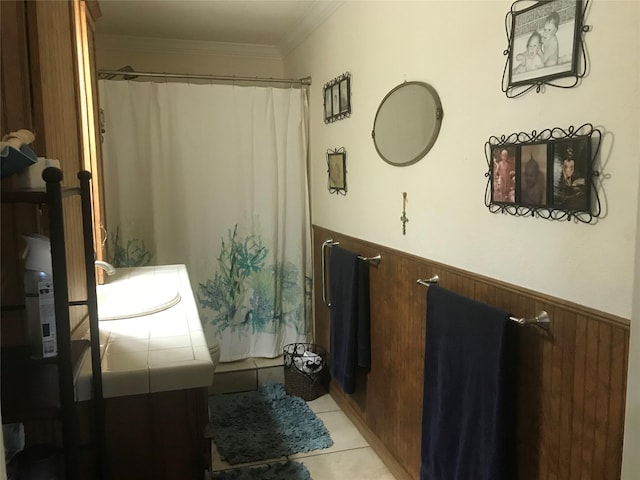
{"x": 457, "y": 47}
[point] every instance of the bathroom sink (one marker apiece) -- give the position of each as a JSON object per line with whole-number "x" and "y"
{"x": 128, "y": 300}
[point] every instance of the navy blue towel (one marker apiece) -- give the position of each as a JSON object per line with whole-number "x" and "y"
{"x": 350, "y": 323}
{"x": 469, "y": 406}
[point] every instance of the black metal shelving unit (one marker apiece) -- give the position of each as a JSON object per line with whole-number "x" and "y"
{"x": 44, "y": 388}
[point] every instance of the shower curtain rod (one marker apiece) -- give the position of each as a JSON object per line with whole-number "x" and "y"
{"x": 194, "y": 76}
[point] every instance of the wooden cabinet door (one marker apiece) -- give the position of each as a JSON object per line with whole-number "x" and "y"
{"x": 48, "y": 75}
{"x": 16, "y": 99}
{"x": 85, "y": 15}
{"x": 15, "y": 113}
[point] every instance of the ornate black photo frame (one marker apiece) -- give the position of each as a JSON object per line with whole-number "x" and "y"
{"x": 545, "y": 45}
{"x": 337, "y": 171}
{"x": 548, "y": 174}
{"x": 337, "y": 98}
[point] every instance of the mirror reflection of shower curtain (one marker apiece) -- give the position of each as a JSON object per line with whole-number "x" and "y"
{"x": 214, "y": 176}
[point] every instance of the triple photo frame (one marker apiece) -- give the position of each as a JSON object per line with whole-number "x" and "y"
{"x": 549, "y": 174}
{"x": 337, "y": 98}
{"x": 545, "y": 45}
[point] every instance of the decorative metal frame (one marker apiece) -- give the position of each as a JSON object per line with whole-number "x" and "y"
{"x": 337, "y": 171}
{"x": 555, "y": 206}
{"x": 337, "y": 98}
{"x": 535, "y": 14}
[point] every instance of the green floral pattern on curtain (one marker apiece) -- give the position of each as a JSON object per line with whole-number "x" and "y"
{"x": 248, "y": 294}
{"x": 128, "y": 253}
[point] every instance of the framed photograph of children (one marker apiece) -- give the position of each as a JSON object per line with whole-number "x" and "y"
{"x": 345, "y": 95}
{"x": 337, "y": 98}
{"x": 544, "y": 41}
{"x": 337, "y": 171}
{"x": 572, "y": 174}
{"x": 533, "y": 174}
{"x": 328, "y": 109}
{"x": 503, "y": 166}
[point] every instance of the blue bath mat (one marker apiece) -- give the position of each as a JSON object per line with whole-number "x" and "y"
{"x": 264, "y": 424}
{"x": 274, "y": 471}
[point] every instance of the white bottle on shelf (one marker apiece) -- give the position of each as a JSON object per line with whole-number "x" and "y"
{"x": 39, "y": 296}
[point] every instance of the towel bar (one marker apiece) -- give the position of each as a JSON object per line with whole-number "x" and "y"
{"x": 330, "y": 243}
{"x": 326, "y": 243}
{"x": 542, "y": 319}
{"x": 375, "y": 259}
{"x": 428, "y": 281}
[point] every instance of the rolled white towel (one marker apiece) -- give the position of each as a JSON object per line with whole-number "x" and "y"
{"x": 312, "y": 362}
{"x": 308, "y": 362}
{"x": 299, "y": 363}
{"x": 17, "y": 139}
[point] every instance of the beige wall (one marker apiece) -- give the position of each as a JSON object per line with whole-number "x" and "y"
{"x": 457, "y": 46}
{"x": 631, "y": 459}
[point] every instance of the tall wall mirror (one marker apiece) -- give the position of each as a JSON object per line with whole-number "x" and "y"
{"x": 407, "y": 123}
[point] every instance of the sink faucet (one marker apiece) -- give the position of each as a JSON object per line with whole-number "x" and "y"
{"x": 107, "y": 267}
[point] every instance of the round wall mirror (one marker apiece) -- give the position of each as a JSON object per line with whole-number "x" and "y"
{"x": 407, "y": 123}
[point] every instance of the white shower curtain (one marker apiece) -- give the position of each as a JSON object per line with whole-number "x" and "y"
{"x": 214, "y": 176}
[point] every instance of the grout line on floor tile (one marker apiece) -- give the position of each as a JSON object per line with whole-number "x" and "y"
{"x": 325, "y": 451}
{"x": 228, "y": 466}
{"x": 314, "y": 453}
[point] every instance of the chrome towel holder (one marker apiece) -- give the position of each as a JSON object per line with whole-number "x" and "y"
{"x": 330, "y": 243}
{"x": 542, "y": 319}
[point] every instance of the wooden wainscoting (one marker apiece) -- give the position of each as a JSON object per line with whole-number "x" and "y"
{"x": 572, "y": 380}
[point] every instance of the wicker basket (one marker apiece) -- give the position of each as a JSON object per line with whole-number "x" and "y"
{"x": 305, "y": 370}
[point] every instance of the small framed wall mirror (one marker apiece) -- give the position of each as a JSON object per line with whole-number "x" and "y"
{"x": 337, "y": 171}
{"x": 407, "y": 123}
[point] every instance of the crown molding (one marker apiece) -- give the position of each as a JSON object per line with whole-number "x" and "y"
{"x": 188, "y": 47}
{"x": 320, "y": 12}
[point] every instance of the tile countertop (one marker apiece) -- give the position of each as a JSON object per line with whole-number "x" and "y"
{"x": 153, "y": 353}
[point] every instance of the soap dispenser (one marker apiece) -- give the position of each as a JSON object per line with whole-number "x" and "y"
{"x": 39, "y": 296}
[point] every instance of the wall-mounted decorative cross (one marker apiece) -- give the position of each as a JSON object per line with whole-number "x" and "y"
{"x": 404, "y": 219}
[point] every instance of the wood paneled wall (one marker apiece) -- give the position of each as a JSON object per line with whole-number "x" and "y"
{"x": 39, "y": 94}
{"x": 56, "y": 103}
{"x": 572, "y": 380}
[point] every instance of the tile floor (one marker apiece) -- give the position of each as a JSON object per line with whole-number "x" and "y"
{"x": 350, "y": 457}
